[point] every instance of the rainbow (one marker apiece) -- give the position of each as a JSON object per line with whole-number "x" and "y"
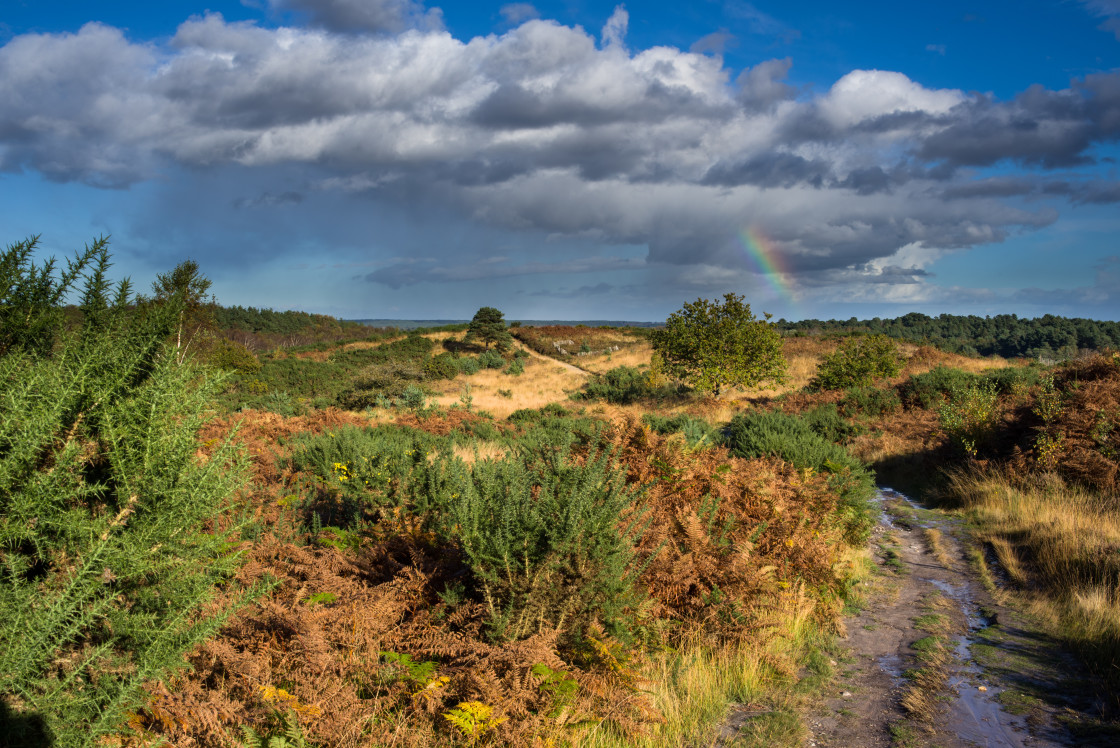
{"x": 763, "y": 255}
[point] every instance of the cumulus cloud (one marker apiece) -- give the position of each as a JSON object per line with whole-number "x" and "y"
{"x": 551, "y": 130}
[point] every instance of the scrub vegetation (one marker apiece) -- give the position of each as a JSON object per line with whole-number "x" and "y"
{"x": 299, "y": 532}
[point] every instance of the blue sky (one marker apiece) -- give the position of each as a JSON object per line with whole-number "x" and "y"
{"x": 577, "y": 160}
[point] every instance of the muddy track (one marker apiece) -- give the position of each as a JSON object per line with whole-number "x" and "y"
{"x": 933, "y": 660}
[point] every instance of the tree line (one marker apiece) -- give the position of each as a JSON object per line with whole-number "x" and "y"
{"x": 1007, "y": 335}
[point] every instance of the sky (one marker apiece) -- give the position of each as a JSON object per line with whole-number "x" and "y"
{"x": 576, "y": 159}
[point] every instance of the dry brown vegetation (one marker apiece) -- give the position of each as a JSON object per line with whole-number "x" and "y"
{"x": 320, "y": 635}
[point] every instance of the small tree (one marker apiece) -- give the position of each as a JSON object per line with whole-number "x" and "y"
{"x": 858, "y": 362}
{"x": 489, "y": 326}
{"x": 713, "y": 345}
{"x": 186, "y": 287}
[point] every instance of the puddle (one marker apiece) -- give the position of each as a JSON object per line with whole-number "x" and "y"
{"x": 975, "y": 716}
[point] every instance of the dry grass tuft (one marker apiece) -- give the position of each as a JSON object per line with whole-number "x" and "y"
{"x": 1058, "y": 540}
{"x": 936, "y": 542}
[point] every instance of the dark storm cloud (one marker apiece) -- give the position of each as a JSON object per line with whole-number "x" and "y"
{"x": 769, "y": 170}
{"x": 1039, "y": 127}
{"x": 993, "y": 187}
{"x": 349, "y": 16}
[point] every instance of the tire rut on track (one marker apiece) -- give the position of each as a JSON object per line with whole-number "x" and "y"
{"x": 995, "y": 660}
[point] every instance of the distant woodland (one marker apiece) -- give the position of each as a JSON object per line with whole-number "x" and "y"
{"x": 1047, "y": 337}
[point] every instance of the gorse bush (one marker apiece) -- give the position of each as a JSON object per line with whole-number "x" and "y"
{"x": 443, "y": 366}
{"x": 539, "y": 531}
{"x": 469, "y": 365}
{"x": 105, "y": 566}
{"x": 230, "y": 356}
{"x": 758, "y": 434}
{"x": 1014, "y": 379}
{"x": 933, "y": 387}
{"x": 544, "y": 544}
{"x": 969, "y": 417}
{"x": 623, "y": 385}
{"x": 827, "y": 421}
{"x": 858, "y": 362}
{"x": 870, "y": 401}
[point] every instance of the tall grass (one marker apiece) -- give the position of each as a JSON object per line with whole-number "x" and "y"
{"x": 1060, "y": 543}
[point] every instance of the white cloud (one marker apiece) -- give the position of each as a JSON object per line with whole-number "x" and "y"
{"x": 614, "y": 32}
{"x": 865, "y": 94}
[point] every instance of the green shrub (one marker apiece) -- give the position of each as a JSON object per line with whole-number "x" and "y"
{"x": 544, "y": 544}
{"x": 412, "y": 398}
{"x": 283, "y": 404}
{"x": 516, "y": 367}
{"x": 1014, "y": 379}
{"x": 969, "y": 417}
{"x": 791, "y": 438}
{"x": 872, "y": 402}
{"x": 930, "y": 389}
{"x": 230, "y": 356}
{"x": 625, "y": 384}
{"x": 491, "y": 360}
{"x": 535, "y": 415}
{"x": 389, "y": 379}
{"x": 468, "y": 365}
{"x": 827, "y": 421}
{"x": 107, "y": 575}
{"x": 443, "y": 366}
{"x": 371, "y": 473}
{"x": 858, "y": 362}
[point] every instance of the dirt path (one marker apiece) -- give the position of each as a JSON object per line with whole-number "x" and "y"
{"x": 933, "y": 660}
{"x": 550, "y": 359}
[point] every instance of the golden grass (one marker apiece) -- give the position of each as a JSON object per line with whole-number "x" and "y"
{"x": 694, "y": 686}
{"x": 479, "y": 450}
{"x": 543, "y": 382}
{"x": 935, "y": 541}
{"x": 637, "y": 356}
{"x": 1060, "y": 542}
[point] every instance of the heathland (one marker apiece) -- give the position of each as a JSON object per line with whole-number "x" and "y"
{"x": 228, "y": 527}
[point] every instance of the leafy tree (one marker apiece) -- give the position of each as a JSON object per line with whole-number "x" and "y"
{"x": 857, "y": 362}
{"x": 489, "y": 326}
{"x": 713, "y": 345}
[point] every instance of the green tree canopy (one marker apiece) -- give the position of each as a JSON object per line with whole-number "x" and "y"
{"x": 712, "y": 345}
{"x": 489, "y": 326}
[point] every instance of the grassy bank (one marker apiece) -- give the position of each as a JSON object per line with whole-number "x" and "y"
{"x": 1057, "y": 546}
